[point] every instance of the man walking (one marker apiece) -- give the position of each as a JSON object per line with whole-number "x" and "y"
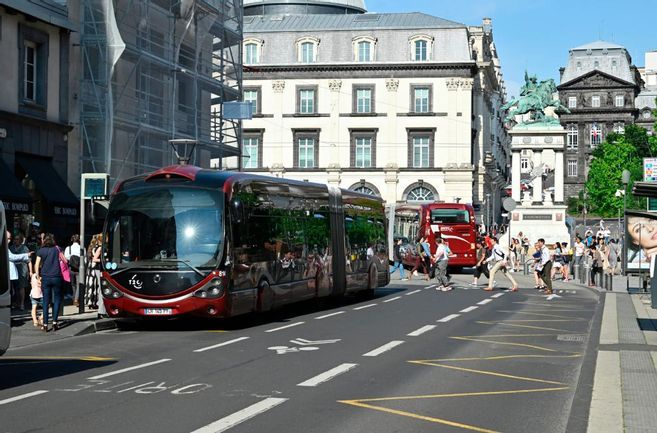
{"x": 441, "y": 258}
{"x": 545, "y": 266}
{"x": 499, "y": 261}
{"x": 397, "y": 257}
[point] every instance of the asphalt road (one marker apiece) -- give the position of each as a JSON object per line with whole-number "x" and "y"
{"x": 410, "y": 360}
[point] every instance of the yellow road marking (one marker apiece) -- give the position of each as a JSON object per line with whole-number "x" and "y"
{"x": 488, "y": 373}
{"x": 499, "y": 357}
{"x": 506, "y": 343}
{"x": 57, "y": 358}
{"x": 526, "y": 326}
{"x": 360, "y": 403}
{"x": 526, "y": 313}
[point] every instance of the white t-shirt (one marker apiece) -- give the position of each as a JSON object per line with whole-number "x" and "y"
{"x": 579, "y": 249}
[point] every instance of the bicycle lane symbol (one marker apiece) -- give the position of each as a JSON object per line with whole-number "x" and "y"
{"x": 306, "y": 346}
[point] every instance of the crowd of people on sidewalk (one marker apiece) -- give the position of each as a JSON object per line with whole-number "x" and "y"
{"x": 44, "y": 274}
{"x": 599, "y": 251}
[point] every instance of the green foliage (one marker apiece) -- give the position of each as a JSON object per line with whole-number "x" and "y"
{"x": 619, "y": 152}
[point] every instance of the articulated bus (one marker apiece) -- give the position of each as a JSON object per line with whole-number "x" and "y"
{"x": 5, "y": 292}
{"x": 454, "y": 221}
{"x": 185, "y": 240}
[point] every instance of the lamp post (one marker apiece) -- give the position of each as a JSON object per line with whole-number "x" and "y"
{"x": 488, "y": 221}
{"x": 621, "y": 234}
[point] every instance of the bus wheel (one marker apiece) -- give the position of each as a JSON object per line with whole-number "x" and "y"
{"x": 265, "y": 297}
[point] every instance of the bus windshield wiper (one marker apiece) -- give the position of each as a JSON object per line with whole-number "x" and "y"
{"x": 184, "y": 262}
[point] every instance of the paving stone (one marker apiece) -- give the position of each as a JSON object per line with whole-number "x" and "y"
{"x": 639, "y": 385}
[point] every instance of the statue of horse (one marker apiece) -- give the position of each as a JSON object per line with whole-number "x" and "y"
{"x": 534, "y": 99}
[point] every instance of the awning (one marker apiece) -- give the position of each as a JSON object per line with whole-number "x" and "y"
{"x": 15, "y": 198}
{"x": 51, "y": 186}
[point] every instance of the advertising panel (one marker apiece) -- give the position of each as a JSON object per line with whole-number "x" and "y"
{"x": 640, "y": 240}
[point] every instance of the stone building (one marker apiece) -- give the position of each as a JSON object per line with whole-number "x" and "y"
{"x": 34, "y": 116}
{"x": 645, "y": 102}
{"x": 405, "y": 105}
{"x": 599, "y": 85}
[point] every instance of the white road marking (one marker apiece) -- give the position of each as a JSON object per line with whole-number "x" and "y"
{"x": 386, "y": 347}
{"x": 484, "y": 302}
{"x": 448, "y": 318}
{"x": 285, "y": 327}
{"x": 413, "y": 292}
{"x": 467, "y": 310}
{"x": 225, "y": 343}
{"x": 238, "y": 417}
{"x": 327, "y": 375}
{"x": 365, "y": 306}
{"x": 21, "y": 397}
{"x": 421, "y": 330}
{"x": 329, "y": 315}
{"x": 431, "y": 286}
{"x": 498, "y": 295}
{"x": 392, "y": 299}
{"x": 123, "y": 370}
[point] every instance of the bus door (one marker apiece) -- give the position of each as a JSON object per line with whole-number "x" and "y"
{"x": 5, "y": 294}
{"x": 339, "y": 278}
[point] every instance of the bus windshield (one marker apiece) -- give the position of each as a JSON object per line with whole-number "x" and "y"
{"x": 171, "y": 227}
{"x": 450, "y": 216}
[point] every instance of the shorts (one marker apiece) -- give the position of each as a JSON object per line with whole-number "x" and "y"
{"x": 36, "y": 301}
{"x": 557, "y": 265}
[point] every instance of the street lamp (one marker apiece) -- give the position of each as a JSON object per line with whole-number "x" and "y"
{"x": 621, "y": 235}
{"x": 488, "y": 211}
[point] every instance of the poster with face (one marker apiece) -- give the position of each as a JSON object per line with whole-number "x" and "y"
{"x": 640, "y": 240}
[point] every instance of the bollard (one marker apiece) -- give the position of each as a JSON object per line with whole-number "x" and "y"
{"x": 587, "y": 275}
{"x": 576, "y": 272}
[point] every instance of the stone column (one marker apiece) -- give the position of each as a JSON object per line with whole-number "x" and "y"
{"x": 515, "y": 175}
{"x": 558, "y": 176}
{"x": 537, "y": 184}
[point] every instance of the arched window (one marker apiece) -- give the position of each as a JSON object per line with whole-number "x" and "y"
{"x": 252, "y": 51}
{"x": 364, "y": 47}
{"x": 365, "y": 188}
{"x": 421, "y": 48}
{"x": 420, "y": 193}
{"x": 307, "y": 49}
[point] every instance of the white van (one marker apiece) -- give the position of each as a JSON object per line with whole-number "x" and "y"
{"x": 5, "y": 292}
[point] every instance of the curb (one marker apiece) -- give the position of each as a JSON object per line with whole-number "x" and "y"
{"x": 96, "y": 326}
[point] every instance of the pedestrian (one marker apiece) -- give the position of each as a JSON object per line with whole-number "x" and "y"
{"x": 613, "y": 256}
{"x": 557, "y": 260}
{"x": 596, "y": 264}
{"x": 24, "y": 270}
{"x": 421, "y": 258}
{"x": 36, "y": 298}
{"x": 481, "y": 267}
{"x": 441, "y": 259}
{"x": 49, "y": 271}
{"x": 537, "y": 267}
{"x": 545, "y": 266}
{"x": 579, "y": 253}
{"x": 398, "y": 260}
{"x": 72, "y": 254}
{"x": 499, "y": 260}
{"x": 15, "y": 259}
{"x": 566, "y": 254}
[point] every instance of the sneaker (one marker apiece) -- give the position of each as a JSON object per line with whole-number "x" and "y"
{"x": 404, "y": 279}
{"x": 446, "y": 288}
{"x": 440, "y": 288}
{"x": 474, "y": 284}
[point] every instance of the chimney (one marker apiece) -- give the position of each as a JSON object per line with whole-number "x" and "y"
{"x": 488, "y": 25}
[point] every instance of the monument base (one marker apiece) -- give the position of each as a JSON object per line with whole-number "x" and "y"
{"x": 547, "y": 221}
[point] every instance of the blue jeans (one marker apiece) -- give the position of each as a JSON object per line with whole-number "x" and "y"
{"x": 52, "y": 292}
{"x": 400, "y": 266}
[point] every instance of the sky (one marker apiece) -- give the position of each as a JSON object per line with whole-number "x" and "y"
{"x": 535, "y": 35}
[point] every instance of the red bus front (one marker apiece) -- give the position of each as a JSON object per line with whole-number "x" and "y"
{"x": 456, "y": 224}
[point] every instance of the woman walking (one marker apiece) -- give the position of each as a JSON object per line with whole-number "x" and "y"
{"x": 49, "y": 271}
{"x": 421, "y": 258}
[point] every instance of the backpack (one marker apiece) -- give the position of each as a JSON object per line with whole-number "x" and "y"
{"x": 74, "y": 263}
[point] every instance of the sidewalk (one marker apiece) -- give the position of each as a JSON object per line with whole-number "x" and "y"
{"x": 72, "y": 322}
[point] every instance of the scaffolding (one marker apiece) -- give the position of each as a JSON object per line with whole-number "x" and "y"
{"x": 152, "y": 71}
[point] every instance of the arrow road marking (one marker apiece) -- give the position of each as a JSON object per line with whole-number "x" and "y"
{"x": 282, "y": 350}
{"x": 304, "y": 342}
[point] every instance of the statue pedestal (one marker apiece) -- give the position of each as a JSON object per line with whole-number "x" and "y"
{"x": 547, "y": 221}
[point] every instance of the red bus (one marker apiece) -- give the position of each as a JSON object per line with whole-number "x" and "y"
{"x": 184, "y": 240}
{"x": 454, "y": 221}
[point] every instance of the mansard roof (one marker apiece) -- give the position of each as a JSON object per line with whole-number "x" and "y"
{"x": 598, "y": 45}
{"x": 325, "y": 22}
{"x": 595, "y": 79}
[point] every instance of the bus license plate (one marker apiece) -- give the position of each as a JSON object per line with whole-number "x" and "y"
{"x": 158, "y": 311}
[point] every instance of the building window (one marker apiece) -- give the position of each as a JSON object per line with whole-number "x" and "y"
{"x": 307, "y": 49}
{"x": 596, "y": 64}
{"x": 595, "y": 101}
{"x": 420, "y": 99}
{"x": 32, "y": 70}
{"x": 620, "y": 101}
{"x": 421, "y": 148}
{"x": 614, "y": 66}
{"x": 572, "y": 168}
{"x": 252, "y": 96}
{"x": 619, "y": 128}
{"x": 251, "y": 54}
{"x": 250, "y": 152}
{"x": 421, "y": 47}
{"x": 364, "y": 190}
{"x": 306, "y": 148}
{"x": 524, "y": 164}
{"x": 420, "y": 193}
{"x": 420, "y": 152}
{"x": 363, "y": 148}
{"x": 307, "y": 100}
{"x": 571, "y": 137}
{"x": 572, "y": 102}
{"x": 596, "y": 135}
{"x": 363, "y": 47}
{"x": 363, "y": 99}
{"x": 579, "y": 66}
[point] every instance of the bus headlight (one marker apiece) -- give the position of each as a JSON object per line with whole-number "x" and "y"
{"x": 212, "y": 290}
{"x": 110, "y": 292}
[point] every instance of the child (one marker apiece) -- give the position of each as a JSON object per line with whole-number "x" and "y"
{"x": 36, "y": 296}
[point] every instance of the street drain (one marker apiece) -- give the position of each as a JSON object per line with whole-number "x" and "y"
{"x": 576, "y": 338}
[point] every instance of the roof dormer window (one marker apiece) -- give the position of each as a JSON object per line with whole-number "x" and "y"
{"x": 421, "y": 48}
{"x": 252, "y": 50}
{"x": 307, "y": 49}
{"x": 364, "y": 48}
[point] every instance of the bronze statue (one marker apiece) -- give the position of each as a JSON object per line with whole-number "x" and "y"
{"x": 534, "y": 98}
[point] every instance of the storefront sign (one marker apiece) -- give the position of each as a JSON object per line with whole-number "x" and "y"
{"x": 65, "y": 211}
{"x": 16, "y": 207}
{"x": 537, "y": 217}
